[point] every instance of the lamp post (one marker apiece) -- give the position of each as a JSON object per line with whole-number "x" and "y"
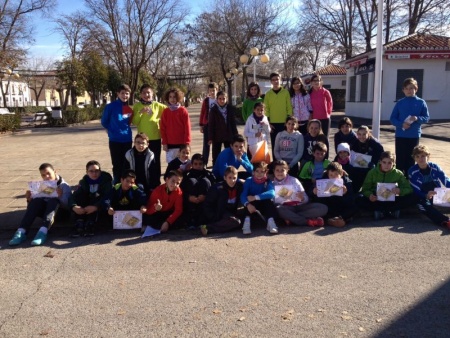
{"x": 254, "y": 52}
{"x": 231, "y": 76}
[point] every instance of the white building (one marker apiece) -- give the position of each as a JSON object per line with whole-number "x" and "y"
{"x": 18, "y": 93}
{"x": 333, "y": 77}
{"x": 425, "y": 57}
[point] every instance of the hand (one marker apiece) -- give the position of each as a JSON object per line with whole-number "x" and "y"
{"x": 251, "y": 198}
{"x": 239, "y": 156}
{"x": 28, "y": 195}
{"x": 272, "y": 128}
{"x": 251, "y": 208}
{"x": 188, "y": 167}
{"x": 164, "y": 227}
{"x": 373, "y": 198}
{"x": 78, "y": 210}
{"x": 59, "y": 192}
{"x": 201, "y": 129}
{"x": 413, "y": 118}
{"x": 301, "y": 195}
{"x": 209, "y": 142}
{"x": 396, "y": 190}
{"x": 193, "y": 199}
{"x": 344, "y": 189}
{"x": 165, "y": 147}
{"x": 158, "y": 205}
{"x": 258, "y": 134}
{"x": 406, "y": 126}
{"x": 430, "y": 194}
{"x": 111, "y": 211}
{"x": 90, "y": 209}
{"x": 143, "y": 209}
{"x": 315, "y": 191}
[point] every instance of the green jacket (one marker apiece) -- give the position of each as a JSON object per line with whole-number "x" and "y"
{"x": 375, "y": 176}
{"x": 247, "y": 107}
{"x": 278, "y": 106}
{"x": 148, "y": 123}
{"x": 308, "y": 169}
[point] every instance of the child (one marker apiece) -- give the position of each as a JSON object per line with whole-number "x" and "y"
{"x": 220, "y": 209}
{"x": 314, "y": 135}
{"x": 126, "y": 195}
{"x": 165, "y": 204}
{"x": 253, "y": 97}
{"x": 296, "y": 212}
{"x": 182, "y": 162}
{"x": 289, "y": 145}
{"x": 146, "y": 116}
{"x": 278, "y": 107}
{"x": 385, "y": 172}
{"x": 175, "y": 124}
{"x": 142, "y": 160}
{"x": 234, "y": 156}
{"x": 340, "y": 208}
{"x": 408, "y": 115}
{"x": 343, "y": 158}
{"x": 257, "y": 128}
{"x": 44, "y": 207}
{"x": 207, "y": 104}
{"x": 86, "y": 200}
{"x": 257, "y": 197}
{"x": 221, "y": 125}
{"x": 368, "y": 145}
{"x": 313, "y": 170}
{"x": 322, "y": 103}
{"x": 116, "y": 119}
{"x": 195, "y": 185}
{"x": 424, "y": 176}
{"x": 301, "y": 104}
{"x": 345, "y": 133}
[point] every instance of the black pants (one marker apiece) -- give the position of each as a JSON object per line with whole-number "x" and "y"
{"x": 155, "y": 147}
{"x": 401, "y": 202}
{"x": 157, "y": 219}
{"x": 40, "y": 207}
{"x": 325, "y": 126}
{"x": 217, "y": 148}
{"x": 206, "y": 146}
{"x": 403, "y": 151}
{"x": 117, "y": 151}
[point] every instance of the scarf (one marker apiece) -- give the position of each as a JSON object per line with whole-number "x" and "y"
{"x": 341, "y": 161}
{"x": 145, "y": 102}
{"x": 173, "y": 107}
{"x": 258, "y": 119}
{"x": 260, "y": 180}
{"x": 223, "y": 111}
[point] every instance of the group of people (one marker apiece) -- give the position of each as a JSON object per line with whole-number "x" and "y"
{"x": 295, "y": 122}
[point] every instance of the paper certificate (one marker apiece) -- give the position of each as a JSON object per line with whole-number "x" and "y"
{"x": 330, "y": 187}
{"x": 359, "y": 160}
{"x": 385, "y": 192}
{"x": 442, "y": 197}
{"x": 127, "y": 219}
{"x": 285, "y": 194}
{"x": 43, "y": 189}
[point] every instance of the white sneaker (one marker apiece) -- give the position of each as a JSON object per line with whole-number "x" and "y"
{"x": 246, "y": 228}
{"x": 271, "y": 226}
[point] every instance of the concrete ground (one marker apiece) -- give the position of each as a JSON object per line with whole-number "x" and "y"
{"x": 371, "y": 279}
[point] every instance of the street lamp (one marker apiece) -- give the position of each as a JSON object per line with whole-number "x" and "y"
{"x": 254, "y": 52}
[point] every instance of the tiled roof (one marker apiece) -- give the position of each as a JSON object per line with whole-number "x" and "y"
{"x": 419, "y": 42}
{"x": 331, "y": 70}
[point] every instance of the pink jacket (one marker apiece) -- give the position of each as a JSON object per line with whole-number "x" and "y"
{"x": 322, "y": 103}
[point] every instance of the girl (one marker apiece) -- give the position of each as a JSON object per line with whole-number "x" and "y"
{"x": 253, "y": 97}
{"x": 257, "y": 199}
{"x": 368, "y": 145}
{"x": 314, "y": 135}
{"x": 289, "y": 145}
{"x": 181, "y": 163}
{"x": 301, "y": 104}
{"x": 257, "y": 128}
{"x": 345, "y": 133}
{"x": 297, "y": 210}
{"x": 221, "y": 125}
{"x": 175, "y": 124}
{"x": 321, "y": 102}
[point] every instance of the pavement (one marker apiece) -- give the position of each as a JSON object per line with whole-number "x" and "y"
{"x": 389, "y": 278}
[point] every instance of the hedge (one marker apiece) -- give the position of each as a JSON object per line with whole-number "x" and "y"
{"x": 10, "y": 122}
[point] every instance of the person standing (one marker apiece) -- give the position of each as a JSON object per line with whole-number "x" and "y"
{"x": 321, "y": 102}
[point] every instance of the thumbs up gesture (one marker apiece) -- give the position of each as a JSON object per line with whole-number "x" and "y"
{"x": 158, "y": 205}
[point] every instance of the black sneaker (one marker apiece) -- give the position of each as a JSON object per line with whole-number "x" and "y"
{"x": 90, "y": 228}
{"x": 78, "y": 230}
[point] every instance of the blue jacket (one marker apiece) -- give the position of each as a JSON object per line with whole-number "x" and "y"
{"x": 413, "y": 106}
{"x": 262, "y": 191}
{"x": 416, "y": 178}
{"x": 227, "y": 158}
{"x": 116, "y": 119}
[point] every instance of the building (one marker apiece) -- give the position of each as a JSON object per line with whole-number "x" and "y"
{"x": 333, "y": 77}
{"x": 425, "y": 57}
{"x": 18, "y": 93}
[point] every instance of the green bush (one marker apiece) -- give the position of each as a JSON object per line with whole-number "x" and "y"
{"x": 77, "y": 115}
{"x": 9, "y": 122}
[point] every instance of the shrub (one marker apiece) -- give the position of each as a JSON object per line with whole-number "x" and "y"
{"x": 9, "y": 122}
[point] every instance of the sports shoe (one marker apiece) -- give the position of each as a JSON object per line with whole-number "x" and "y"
{"x": 315, "y": 222}
{"x": 203, "y": 229}
{"x": 336, "y": 222}
{"x": 395, "y": 214}
{"x": 446, "y": 223}
{"x": 90, "y": 228}
{"x": 18, "y": 238}
{"x": 78, "y": 229}
{"x": 378, "y": 215}
{"x": 39, "y": 239}
{"x": 246, "y": 228}
{"x": 271, "y": 226}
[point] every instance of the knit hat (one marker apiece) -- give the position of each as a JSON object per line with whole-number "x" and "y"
{"x": 343, "y": 147}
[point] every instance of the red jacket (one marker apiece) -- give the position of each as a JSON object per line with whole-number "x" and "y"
{"x": 175, "y": 126}
{"x": 203, "y": 121}
{"x": 172, "y": 201}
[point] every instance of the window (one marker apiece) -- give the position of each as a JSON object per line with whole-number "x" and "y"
{"x": 344, "y": 83}
{"x": 447, "y": 66}
{"x": 352, "y": 89}
{"x": 364, "y": 87}
{"x": 403, "y": 74}
{"x": 327, "y": 86}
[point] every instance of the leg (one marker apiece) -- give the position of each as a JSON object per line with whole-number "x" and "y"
{"x": 325, "y": 126}
{"x": 216, "y": 146}
{"x": 155, "y": 147}
{"x": 117, "y": 151}
{"x": 206, "y": 146}
{"x": 427, "y": 208}
{"x": 36, "y": 207}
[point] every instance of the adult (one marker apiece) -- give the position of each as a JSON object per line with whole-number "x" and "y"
{"x": 321, "y": 102}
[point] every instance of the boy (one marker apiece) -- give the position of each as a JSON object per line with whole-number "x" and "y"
{"x": 86, "y": 200}
{"x": 234, "y": 156}
{"x": 313, "y": 170}
{"x": 146, "y": 116}
{"x": 207, "y": 104}
{"x": 385, "y": 172}
{"x": 116, "y": 120}
{"x": 220, "y": 209}
{"x": 44, "y": 207}
{"x": 278, "y": 107}
{"x": 408, "y": 116}
{"x": 126, "y": 195}
{"x": 142, "y": 160}
{"x": 424, "y": 176}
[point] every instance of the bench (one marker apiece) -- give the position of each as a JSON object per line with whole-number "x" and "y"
{"x": 41, "y": 116}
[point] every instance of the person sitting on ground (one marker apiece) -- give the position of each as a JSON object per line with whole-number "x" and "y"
{"x": 313, "y": 170}
{"x": 86, "y": 200}
{"x": 233, "y": 156}
{"x": 44, "y": 207}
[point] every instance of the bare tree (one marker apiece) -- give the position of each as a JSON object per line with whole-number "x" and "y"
{"x": 38, "y": 74}
{"x": 367, "y": 20}
{"x": 73, "y": 29}
{"x": 431, "y": 14}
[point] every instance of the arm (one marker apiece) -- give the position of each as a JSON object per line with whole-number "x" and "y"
{"x": 203, "y": 113}
{"x": 395, "y": 117}
{"x": 187, "y": 127}
{"x": 299, "y": 152}
{"x": 276, "y": 148}
{"x": 106, "y": 116}
{"x": 403, "y": 185}
{"x": 178, "y": 207}
{"x": 424, "y": 115}
{"x": 328, "y": 102}
{"x": 288, "y": 104}
{"x": 163, "y": 128}
{"x": 267, "y": 104}
{"x": 245, "y": 192}
{"x": 137, "y": 115}
{"x": 248, "y": 130}
{"x": 245, "y": 162}
{"x": 369, "y": 185}
{"x": 232, "y": 119}
{"x": 269, "y": 194}
{"x": 305, "y": 172}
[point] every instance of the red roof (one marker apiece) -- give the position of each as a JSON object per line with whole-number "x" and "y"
{"x": 419, "y": 42}
{"x": 331, "y": 70}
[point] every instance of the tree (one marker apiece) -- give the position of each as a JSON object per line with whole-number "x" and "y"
{"x": 74, "y": 30}
{"x": 71, "y": 75}
{"x": 95, "y": 75}
{"x": 37, "y": 74}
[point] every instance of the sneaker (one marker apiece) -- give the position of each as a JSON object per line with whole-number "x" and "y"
{"x": 271, "y": 226}
{"x": 78, "y": 229}
{"x": 246, "y": 228}
{"x": 315, "y": 222}
{"x": 378, "y": 215}
{"x": 203, "y": 229}
{"x": 90, "y": 228}
{"x": 395, "y": 214}
{"x": 18, "y": 238}
{"x": 39, "y": 239}
{"x": 445, "y": 224}
{"x": 336, "y": 222}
